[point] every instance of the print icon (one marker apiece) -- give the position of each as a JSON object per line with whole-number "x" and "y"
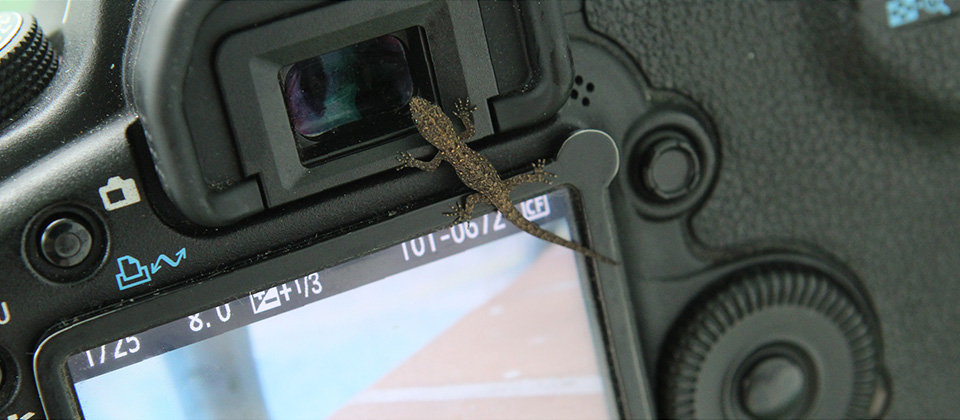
{"x": 119, "y": 193}
{"x": 131, "y": 272}
{"x": 265, "y": 300}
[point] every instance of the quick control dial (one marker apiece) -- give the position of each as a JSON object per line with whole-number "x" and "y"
{"x": 774, "y": 344}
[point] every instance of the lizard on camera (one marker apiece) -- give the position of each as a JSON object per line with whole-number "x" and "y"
{"x": 476, "y": 171}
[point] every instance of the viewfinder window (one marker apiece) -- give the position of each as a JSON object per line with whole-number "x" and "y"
{"x": 348, "y": 84}
{"x": 353, "y": 97}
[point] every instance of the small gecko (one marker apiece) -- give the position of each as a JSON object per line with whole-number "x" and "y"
{"x": 476, "y": 171}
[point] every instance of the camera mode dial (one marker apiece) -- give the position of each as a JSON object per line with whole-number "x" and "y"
{"x": 27, "y": 63}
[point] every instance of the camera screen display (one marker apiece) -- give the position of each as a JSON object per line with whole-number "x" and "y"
{"x": 476, "y": 321}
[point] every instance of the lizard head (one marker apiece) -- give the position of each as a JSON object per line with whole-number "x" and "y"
{"x": 432, "y": 123}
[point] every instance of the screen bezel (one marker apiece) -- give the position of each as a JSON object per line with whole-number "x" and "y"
{"x": 585, "y": 166}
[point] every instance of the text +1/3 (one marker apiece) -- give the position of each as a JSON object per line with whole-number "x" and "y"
{"x": 532, "y": 209}
{"x": 113, "y": 351}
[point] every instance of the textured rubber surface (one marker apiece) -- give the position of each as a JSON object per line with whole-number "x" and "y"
{"x": 836, "y": 132}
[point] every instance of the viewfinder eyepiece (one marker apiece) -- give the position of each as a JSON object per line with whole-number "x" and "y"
{"x": 343, "y": 86}
{"x": 353, "y": 98}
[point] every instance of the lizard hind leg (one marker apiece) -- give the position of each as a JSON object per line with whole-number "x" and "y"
{"x": 541, "y": 173}
{"x": 464, "y": 211}
{"x": 538, "y": 175}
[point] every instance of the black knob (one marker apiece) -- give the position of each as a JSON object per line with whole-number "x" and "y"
{"x": 27, "y": 63}
{"x": 775, "y": 386}
{"x": 672, "y": 168}
{"x": 66, "y": 242}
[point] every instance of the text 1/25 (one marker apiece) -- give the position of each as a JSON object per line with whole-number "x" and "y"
{"x": 113, "y": 351}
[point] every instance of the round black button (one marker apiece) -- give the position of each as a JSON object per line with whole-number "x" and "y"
{"x": 773, "y": 387}
{"x": 65, "y": 242}
{"x": 673, "y": 169}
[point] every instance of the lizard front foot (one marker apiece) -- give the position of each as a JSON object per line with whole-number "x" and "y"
{"x": 463, "y": 108}
{"x": 406, "y": 160}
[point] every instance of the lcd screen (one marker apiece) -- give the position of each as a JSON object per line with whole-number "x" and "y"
{"x": 476, "y": 321}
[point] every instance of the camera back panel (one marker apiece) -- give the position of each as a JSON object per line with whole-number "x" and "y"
{"x": 198, "y": 154}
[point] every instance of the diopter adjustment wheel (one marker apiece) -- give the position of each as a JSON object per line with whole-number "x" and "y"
{"x": 773, "y": 344}
{"x": 27, "y": 62}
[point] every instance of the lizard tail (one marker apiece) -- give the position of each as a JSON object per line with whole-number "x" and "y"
{"x": 514, "y": 216}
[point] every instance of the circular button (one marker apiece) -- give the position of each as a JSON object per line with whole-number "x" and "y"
{"x": 773, "y": 388}
{"x": 66, "y": 242}
{"x": 671, "y": 163}
{"x": 672, "y": 170}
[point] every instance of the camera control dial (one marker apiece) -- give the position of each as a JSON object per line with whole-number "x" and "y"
{"x": 774, "y": 343}
{"x": 27, "y": 63}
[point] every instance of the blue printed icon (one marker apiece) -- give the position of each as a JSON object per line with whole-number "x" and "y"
{"x": 131, "y": 272}
{"x": 181, "y": 254}
{"x": 904, "y": 12}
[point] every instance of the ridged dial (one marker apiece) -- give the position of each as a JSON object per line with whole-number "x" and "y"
{"x": 787, "y": 316}
{"x": 27, "y": 63}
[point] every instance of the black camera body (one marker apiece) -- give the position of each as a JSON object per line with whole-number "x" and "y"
{"x": 201, "y": 180}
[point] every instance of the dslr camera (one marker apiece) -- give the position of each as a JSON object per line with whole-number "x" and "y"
{"x": 204, "y": 211}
